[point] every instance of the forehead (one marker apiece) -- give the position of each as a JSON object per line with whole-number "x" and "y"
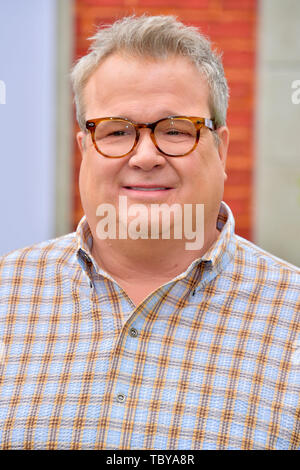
{"x": 124, "y": 84}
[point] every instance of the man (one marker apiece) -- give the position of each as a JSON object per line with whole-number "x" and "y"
{"x": 125, "y": 335}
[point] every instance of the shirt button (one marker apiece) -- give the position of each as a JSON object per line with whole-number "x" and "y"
{"x": 133, "y": 332}
{"x": 121, "y": 397}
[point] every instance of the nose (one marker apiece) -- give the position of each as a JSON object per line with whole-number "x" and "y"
{"x": 145, "y": 155}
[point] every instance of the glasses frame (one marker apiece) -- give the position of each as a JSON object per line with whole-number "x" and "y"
{"x": 198, "y": 122}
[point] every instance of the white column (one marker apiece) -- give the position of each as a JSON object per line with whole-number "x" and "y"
{"x": 27, "y": 122}
{"x": 64, "y": 118}
{"x": 277, "y": 182}
{"x": 35, "y": 121}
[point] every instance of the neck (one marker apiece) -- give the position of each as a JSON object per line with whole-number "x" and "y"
{"x": 147, "y": 261}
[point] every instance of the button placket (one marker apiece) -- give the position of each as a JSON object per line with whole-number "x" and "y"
{"x": 121, "y": 397}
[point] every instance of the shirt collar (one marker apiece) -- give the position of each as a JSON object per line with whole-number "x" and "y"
{"x": 223, "y": 248}
{"x": 84, "y": 239}
{"x": 220, "y": 253}
{"x": 216, "y": 258}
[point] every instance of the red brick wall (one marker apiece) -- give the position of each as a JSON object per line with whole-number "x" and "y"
{"x": 231, "y": 25}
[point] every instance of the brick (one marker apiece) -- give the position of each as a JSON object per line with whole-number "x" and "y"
{"x": 239, "y": 206}
{"x": 240, "y": 118}
{"x": 239, "y": 59}
{"x": 237, "y": 147}
{"x": 232, "y": 29}
{"x": 239, "y": 4}
{"x": 236, "y": 177}
{"x": 241, "y": 134}
{"x": 241, "y": 89}
{"x": 238, "y": 163}
{"x": 234, "y": 74}
{"x": 101, "y": 3}
{"x": 175, "y": 3}
{"x": 237, "y": 192}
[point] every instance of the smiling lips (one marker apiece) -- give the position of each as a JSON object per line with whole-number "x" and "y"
{"x": 148, "y": 188}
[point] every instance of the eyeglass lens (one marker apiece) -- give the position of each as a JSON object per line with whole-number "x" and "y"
{"x": 173, "y": 136}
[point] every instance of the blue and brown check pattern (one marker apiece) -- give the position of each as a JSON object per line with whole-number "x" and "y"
{"x": 210, "y": 360}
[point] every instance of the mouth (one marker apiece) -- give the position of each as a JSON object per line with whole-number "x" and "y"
{"x": 147, "y": 188}
{"x": 147, "y": 191}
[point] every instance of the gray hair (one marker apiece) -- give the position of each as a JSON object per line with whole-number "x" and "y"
{"x": 156, "y": 37}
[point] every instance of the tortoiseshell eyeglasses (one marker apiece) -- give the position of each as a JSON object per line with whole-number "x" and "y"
{"x": 174, "y": 136}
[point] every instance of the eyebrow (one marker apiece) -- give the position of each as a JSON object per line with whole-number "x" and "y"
{"x": 162, "y": 115}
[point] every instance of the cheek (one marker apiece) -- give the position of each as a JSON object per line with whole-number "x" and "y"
{"x": 84, "y": 184}
{"x": 208, "y": 165}
{"x": 98, "y": 175}
{"x": 88, "y": 176}
{"x": 203, "y": 176}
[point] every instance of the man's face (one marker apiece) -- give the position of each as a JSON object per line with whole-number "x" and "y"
{"x": 146, "y": 90}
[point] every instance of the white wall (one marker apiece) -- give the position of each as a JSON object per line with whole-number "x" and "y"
{"x": 277, "y": 189}
{"x": 27, "y": 122}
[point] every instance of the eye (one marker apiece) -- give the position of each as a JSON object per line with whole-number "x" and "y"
{"x": 177, "y": 132}
{"x": 173, "y": 132}
{"x": 117, "y": 133}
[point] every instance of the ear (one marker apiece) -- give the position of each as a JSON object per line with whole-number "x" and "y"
{"x": 223, "y": 134}
{"x": 80, "y": 137}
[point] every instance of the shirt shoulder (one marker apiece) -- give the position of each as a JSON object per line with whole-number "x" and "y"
{"x": 254, "y": 256}
{"x": 57, "y": 251}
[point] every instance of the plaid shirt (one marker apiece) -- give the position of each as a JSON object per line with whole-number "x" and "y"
{"x": 210, "y": 360}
